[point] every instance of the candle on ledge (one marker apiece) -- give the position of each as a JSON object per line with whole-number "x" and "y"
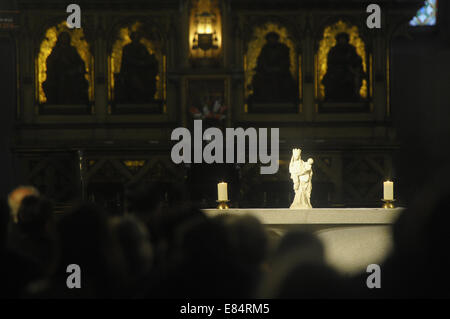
{"x": 222, "y": 191}
{"x": 388, "y": 190}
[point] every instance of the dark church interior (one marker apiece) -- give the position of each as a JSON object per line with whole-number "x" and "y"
{"x": 92, "y": 93}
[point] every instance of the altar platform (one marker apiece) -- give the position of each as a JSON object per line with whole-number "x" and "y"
{"x": 353, "y": 237}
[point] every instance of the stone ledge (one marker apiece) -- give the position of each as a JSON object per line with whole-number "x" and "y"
{"x": 324, "y": 216}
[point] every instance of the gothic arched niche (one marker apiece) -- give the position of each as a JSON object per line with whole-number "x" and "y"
{"x": 205, "y": 30}
{"x": 327, "y": 43}
{"x": 74, "y": 56}
{"x": 145, "y": 60}
{"x": 255, "y": 47}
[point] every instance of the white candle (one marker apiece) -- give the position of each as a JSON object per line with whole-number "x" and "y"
{"x": 222, "y": 191}
{"x": 388, "y": 188}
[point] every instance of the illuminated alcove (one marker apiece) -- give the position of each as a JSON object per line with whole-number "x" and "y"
{"x": 78, "y": 41}
{"x": 154, "y": 46}
{"x": 253, "y": 50}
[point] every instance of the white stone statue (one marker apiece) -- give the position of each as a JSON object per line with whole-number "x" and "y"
{"x": 301, "y": 174}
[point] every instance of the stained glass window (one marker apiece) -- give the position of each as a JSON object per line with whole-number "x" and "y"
{"x": 426, "y": 15}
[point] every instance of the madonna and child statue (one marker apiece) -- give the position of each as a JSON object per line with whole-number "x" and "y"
{"x": 301, "y": 174}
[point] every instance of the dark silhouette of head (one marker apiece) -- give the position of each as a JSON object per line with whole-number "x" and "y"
{"x": 248, "y": 251}
{"x": 15, "y": 199}
{"x": 297, "y": 265}
{"x": 34, "y": 214}
{"x": 420, "y": 238}
{"x": 306, "y": 246}
{"x": 64, "y": 39}
{"x": 272, "y": 38}
{"x": 342, "y": 38}
{"x": 134, "y": 240}
{"x": 249, "y": 240}
{"x": 85, "y": 238}
{"x": 203, "y": 265}
{"x": 135, "y": 36}
{"x": 309, "y": 281}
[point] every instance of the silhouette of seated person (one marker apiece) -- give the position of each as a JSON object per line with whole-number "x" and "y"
{"x": 136, "y": 82}
{"x": 345, "y": 73}
{"x": 17, "y": 271}
{"x": 66, "y": 82}
{"x": 32, "y": 237}
{"x": 273, "y": 81}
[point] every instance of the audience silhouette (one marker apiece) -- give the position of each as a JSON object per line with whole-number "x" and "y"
{"x": 165, "y": 248}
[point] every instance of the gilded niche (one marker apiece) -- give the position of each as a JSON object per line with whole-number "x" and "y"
{"x": 64, "y": 67}
{"x": 341, "y": 65}
{"x": 136, "y": 68}
{"x": 272, "y": 68}
{"x": 205, "y": 29}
